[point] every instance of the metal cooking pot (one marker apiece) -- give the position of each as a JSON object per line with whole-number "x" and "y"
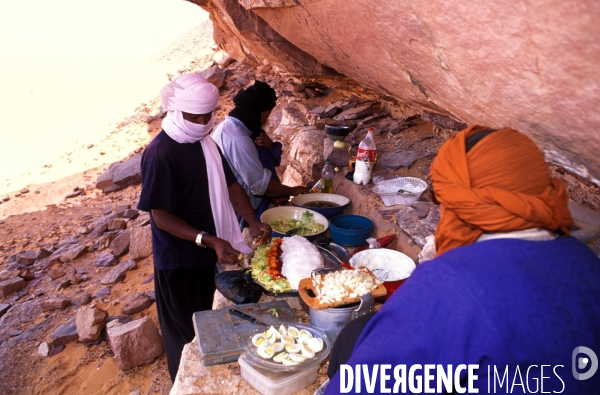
{"x": 334, "y": 319}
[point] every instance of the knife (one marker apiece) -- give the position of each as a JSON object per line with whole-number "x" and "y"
{"x": 246, "y": 317}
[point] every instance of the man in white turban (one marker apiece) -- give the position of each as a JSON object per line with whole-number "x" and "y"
{"x": 191, "y": 193}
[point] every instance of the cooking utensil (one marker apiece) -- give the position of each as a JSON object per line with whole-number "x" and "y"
{"x": 291, "y": 232}
{"x": 246, "y": 317}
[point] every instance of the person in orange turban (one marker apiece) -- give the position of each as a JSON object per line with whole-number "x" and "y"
{"x": 508, "y": 294}
{"x": 490, "y": 181}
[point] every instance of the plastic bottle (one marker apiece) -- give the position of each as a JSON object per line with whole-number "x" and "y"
{"x": 327, "y": 176}
{"x": 365, "y": 159}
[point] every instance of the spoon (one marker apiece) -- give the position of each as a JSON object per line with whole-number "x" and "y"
{"x": 291, "y": 232}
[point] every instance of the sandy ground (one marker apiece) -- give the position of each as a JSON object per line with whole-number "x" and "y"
{"x": 38, "y": 213}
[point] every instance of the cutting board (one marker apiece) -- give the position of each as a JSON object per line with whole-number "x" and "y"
{"x": 222, "y": 336}
{"x": 307, "y": 292}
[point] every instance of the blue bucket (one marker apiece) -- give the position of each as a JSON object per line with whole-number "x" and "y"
{"x": 351, "y": 230}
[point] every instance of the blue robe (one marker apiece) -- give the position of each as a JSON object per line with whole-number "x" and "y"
{"x": 507, "y": 305}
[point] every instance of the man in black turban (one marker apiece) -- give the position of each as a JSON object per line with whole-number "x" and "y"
{"x": 252, "y": 155}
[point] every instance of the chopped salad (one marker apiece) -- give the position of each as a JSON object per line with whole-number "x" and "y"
{"x": 260, "y": 265}
{"x": 305, "y": 225}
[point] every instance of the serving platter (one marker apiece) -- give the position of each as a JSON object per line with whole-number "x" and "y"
{"x": 331, "y": 263}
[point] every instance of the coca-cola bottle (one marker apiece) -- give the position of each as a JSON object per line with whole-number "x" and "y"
{"x": 365, "y": 159}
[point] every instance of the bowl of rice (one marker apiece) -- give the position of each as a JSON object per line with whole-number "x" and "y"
{"x": 389, "y": 266}
{"x": 309, "y": 223}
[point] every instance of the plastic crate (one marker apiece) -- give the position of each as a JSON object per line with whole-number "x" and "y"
{"x": 271, "y": 383}
{"x": 389, "y": 190}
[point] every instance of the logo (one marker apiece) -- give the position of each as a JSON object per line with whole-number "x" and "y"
{"x": 591, "y": 361}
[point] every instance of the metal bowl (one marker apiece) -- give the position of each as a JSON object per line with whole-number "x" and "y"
{"x": 337, "y": 132}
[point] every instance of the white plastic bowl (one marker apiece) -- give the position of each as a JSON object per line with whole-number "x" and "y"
{"x": 387, "y": 265}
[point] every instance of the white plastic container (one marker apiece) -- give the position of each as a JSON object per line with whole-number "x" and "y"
{"x": 271, "y": 383}
{"x": 412, "y": 189}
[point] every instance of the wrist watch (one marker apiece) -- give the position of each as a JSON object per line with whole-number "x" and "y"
{"x": 199, "y": 239}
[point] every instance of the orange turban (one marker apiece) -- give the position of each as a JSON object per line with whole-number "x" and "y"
{"x": 502, "y": 184}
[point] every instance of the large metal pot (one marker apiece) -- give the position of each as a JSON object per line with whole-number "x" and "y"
{"x": 334, "y": 319}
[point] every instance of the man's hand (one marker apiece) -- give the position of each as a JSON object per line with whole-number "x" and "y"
{"x": 226, "y": 254}
{"x": 260, "y": 232}
{"x": 300, "y": 190}
{"x": 264, "y": 141}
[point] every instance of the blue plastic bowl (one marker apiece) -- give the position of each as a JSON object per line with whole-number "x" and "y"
{"x": 327, "y": 212}
{"x": 351, "y": 230}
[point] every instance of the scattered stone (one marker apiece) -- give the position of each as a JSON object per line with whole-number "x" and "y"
{"x": 135, "y": 343}
{"x": 148, "y": 279}
{"x": 26, "y": 274}
{"x": 222, "y": 58}
{"x": 140, "y": 243}
{"x": 353, "y": 113}
{"x": 106, "y": 259}
{"x": 4, "y": 308}
{"x": 105, "y": 240}
{"x": 43, "y": 349}
{"x": 64, "y": 334}
{"x": 242, "y": 81}
{"x": 67, "y": 253}
{"x": 422, "y": 208}
{"x": 28, "y": 257}
{"x": 6, "y": 198}
{"x": 10, "y": 286}
{"x": 89, "y": 322}
{"x": 102, "y": 293}
{"x": 119, "y": 211}
{"x": 105, "y": 181}
{"x": 136, "y": 303}
{"x": 151, "y": 295}
{"x": 56, "y": 350}
{"x": 54, "y": 304}
{"x": 84, "y": 230}
{"x": 443, "y": 121}
{"x": 33, "y": 283}
{"x": 116, "y": 224}
{"x": 65, "y": 284}
{"x": 83, "y": 300}
{"x": 129, "y": 172}
{"x": 45, "y": 252}
{"x": 99, "y": 228}
{"x": 402, "y": 158}
{"x": 123, "y": 319}
{"x": 54, "y": 274}
{"x": 131, "y": 213}
{"x": 118, "y": 272}
{"x": 77, "y": 278}
{"x": 215, "y": 75}
{"x": 120, "y": 245}
{"x": 416, "y": 229}
{"x": 15, "y": 332}
{"x": 74, "y": 194}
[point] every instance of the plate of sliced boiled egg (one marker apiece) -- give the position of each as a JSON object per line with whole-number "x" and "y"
{"x": 286, "y": 347}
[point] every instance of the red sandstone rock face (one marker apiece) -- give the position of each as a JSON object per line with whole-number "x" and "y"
{"x": 529, "y": 66}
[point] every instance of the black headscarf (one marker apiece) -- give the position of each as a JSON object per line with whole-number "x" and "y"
{"x": 250, "y": 102}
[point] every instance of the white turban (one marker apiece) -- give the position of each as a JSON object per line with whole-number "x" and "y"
{"x": 190, "y": 93}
